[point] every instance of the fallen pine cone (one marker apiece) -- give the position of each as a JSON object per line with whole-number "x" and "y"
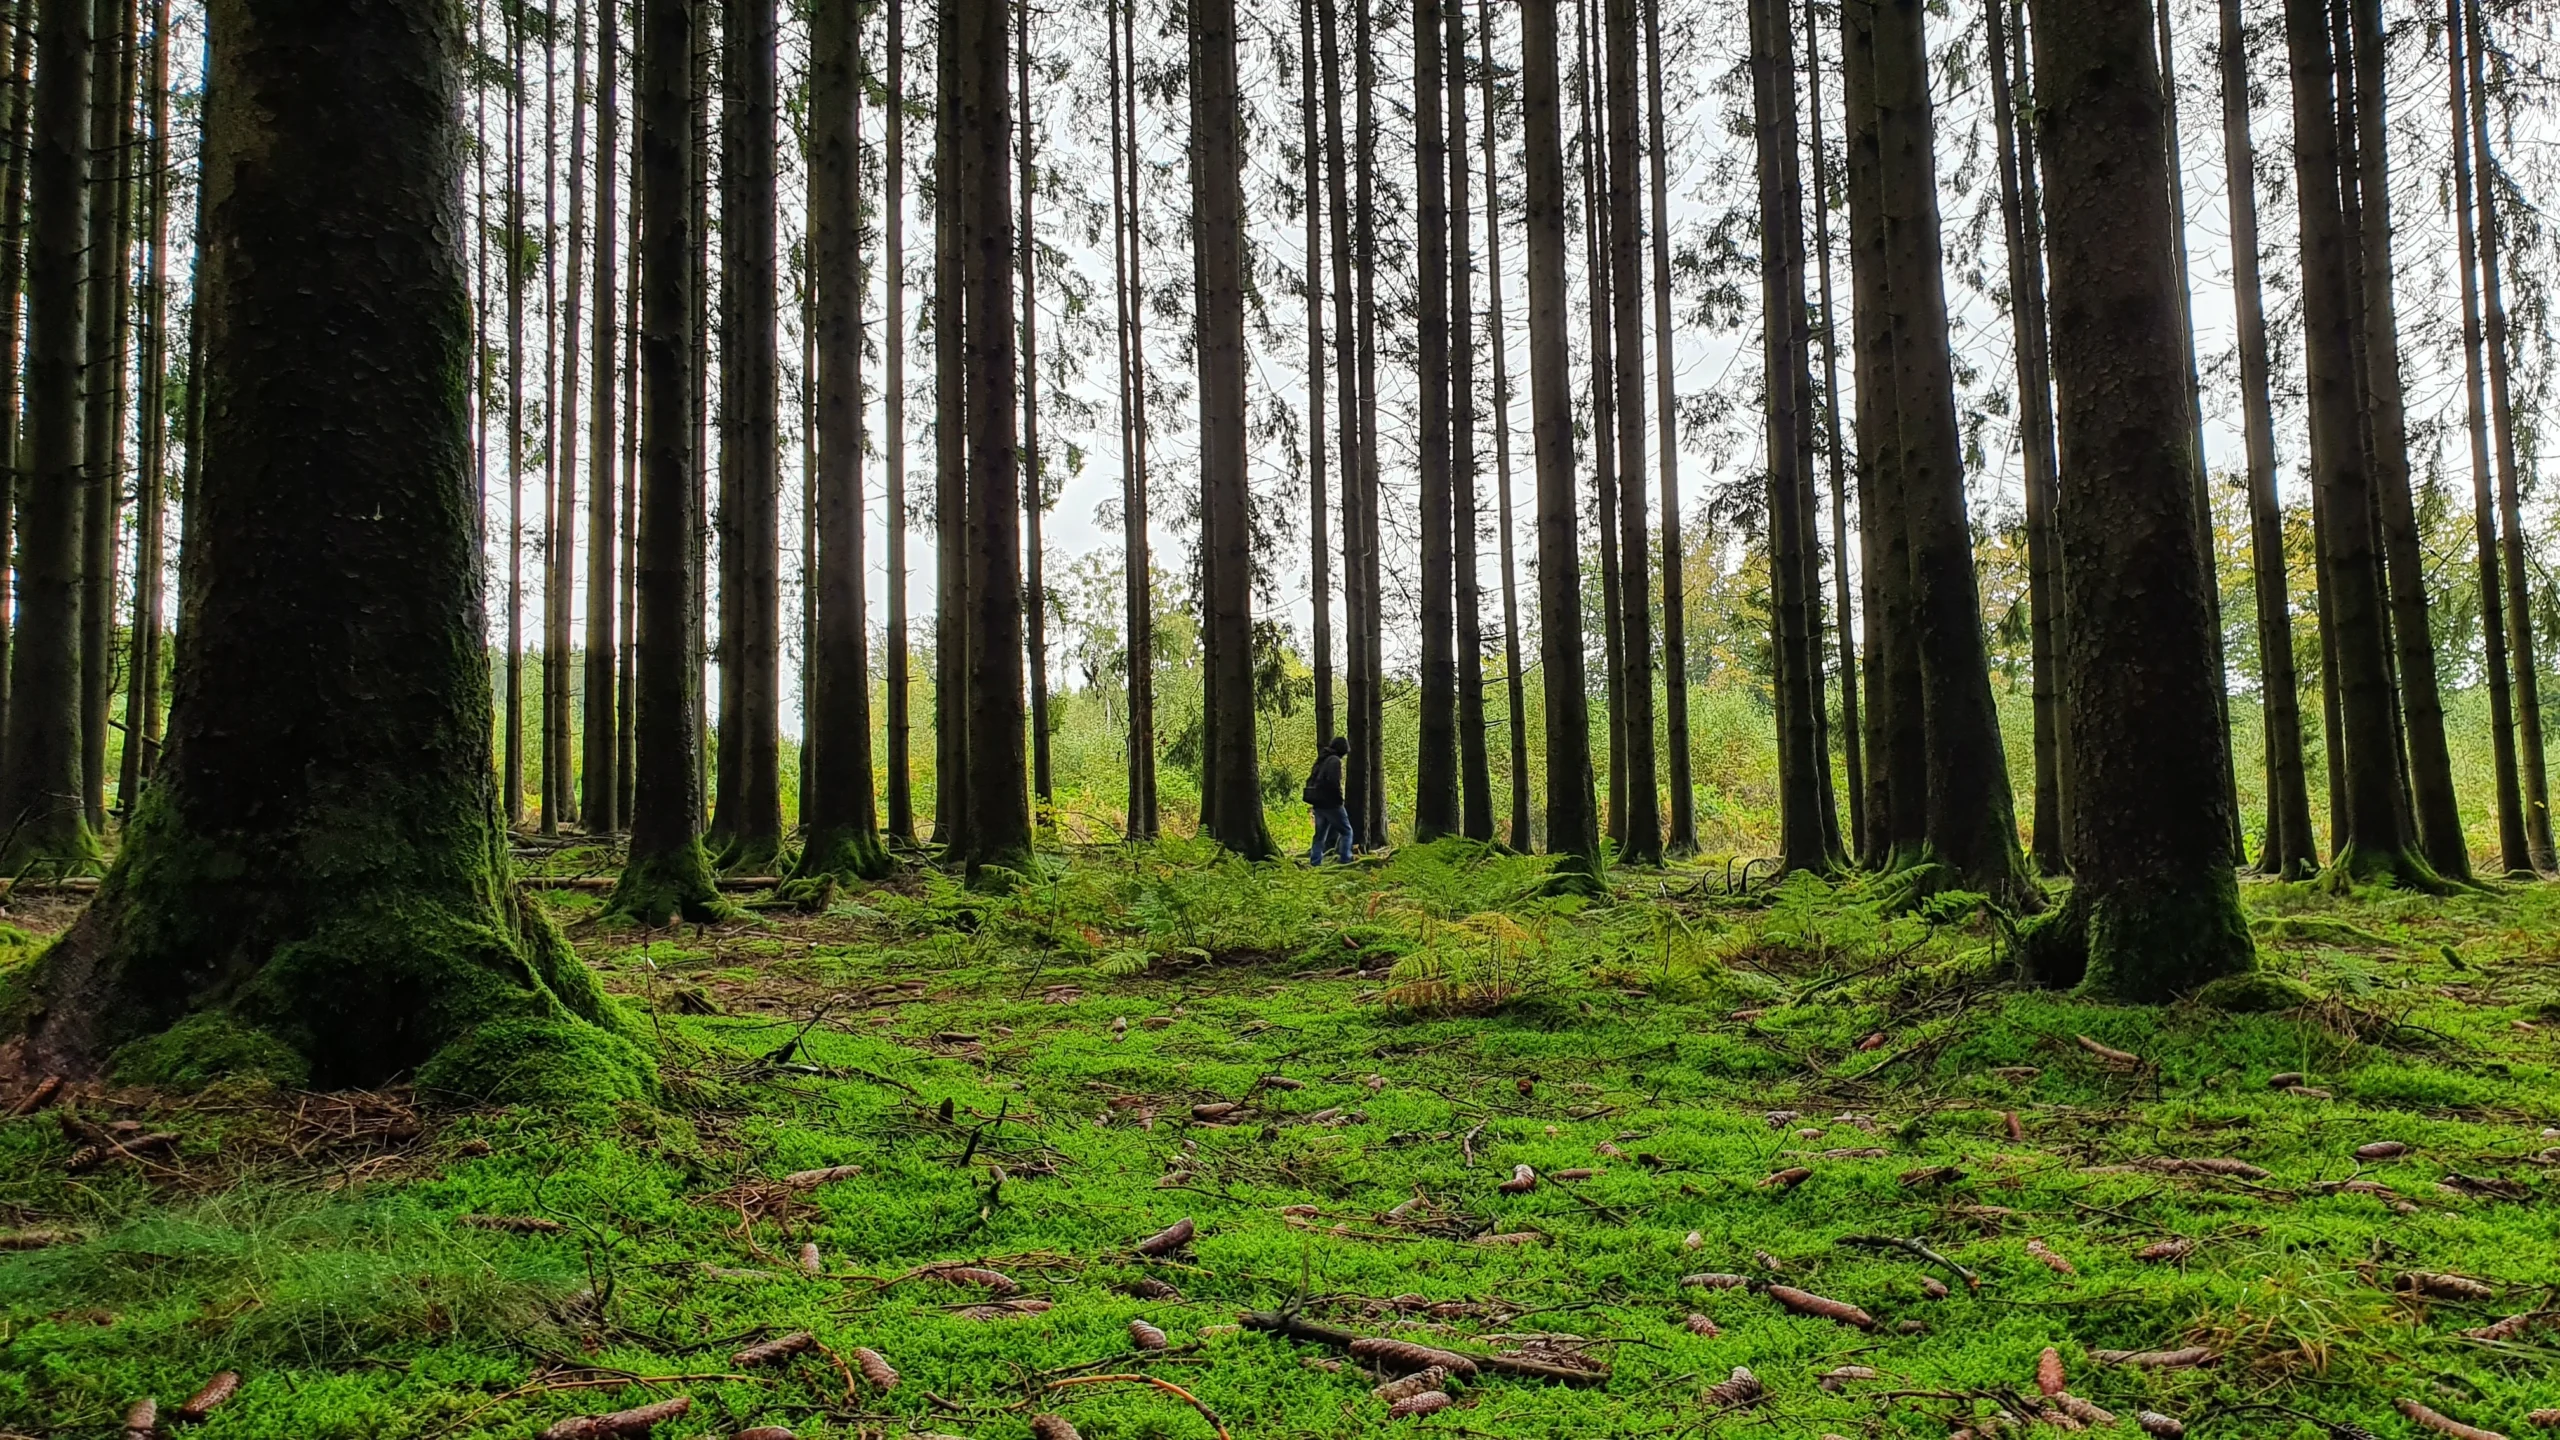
{"x": 2108, "y": 1053}
{"x": 1787, "y": 1179}
{"x": 1700, "y": 1325}
{"x": 1839, "y": 1375}
{"x": 812, "y": 1179}
{"x": 1170, "y": 1239}
{"x": 1768, "y": 1262}
{"x": 2049, "y": 1378}
{"x": 1928, "y": 1175}
{"x": 1714, "y": 1280}
{"x": 2155, "y": 1423}
{"x": 781, "y": 1347}
{"x": 2382, "y": 1150}
{"x": 1405, "y": 1355}
{"x": 874, "y": 1368}
{"x": 2174, "y": 1249}
{"x": 2086, "y": 1412}
{"x": 1522, "y": 1181}
{"x": 1576, "y": 1174}
{"x": 142, "y": 1419}
{"x": 1053, "y": 1427}
{"x": 811, "y": 1262}
{"x": 1426, "y": 1379}
{"x": 1872, "y": 1042}
{"x": 1741, "y": 1389}
{"x": 1215, "y": 1110}
{"x": 512, "y": 1224}
{"x": 2547, "y": 1419}
{"x": 1805, "y": 1302}
{"x": 763, "y": 1432}
{"x": 1005, "y": 1310}
{"x": 978, "y": 1275}
{"x": 2285, "y": 1079}
{"x": 1515, "y": 1237}
{"x": 216, "y": 1390}
{"x": 2443, "y": 1287}
{"x": 1148, "y": 1287}
{"x": 36, "y": 1099}
{"x": 1429, "y": 1402}
{"x": 2507, "y": 1329}
{"x": 2017, "y": 1131}
{"x": 2188, "y": 1358}
{"x": 636, "y": 1421}
{"x": 1933, "y": 1287}
{"x": 1781, "y": 1119}
{"x": 1146, "y": 1336}
{"x": 2445, "y": 1425}
{"x": 2052, "y": 1261}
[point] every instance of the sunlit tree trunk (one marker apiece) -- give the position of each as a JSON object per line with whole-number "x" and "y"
{"x": 13, "y": 287}
{"x": 142, "y": 686}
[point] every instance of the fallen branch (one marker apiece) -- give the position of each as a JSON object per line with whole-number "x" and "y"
{"x": 1165, "y": 1385}
{"x": 1291, "y": 1326}
{"x": 1917, "y": 1250}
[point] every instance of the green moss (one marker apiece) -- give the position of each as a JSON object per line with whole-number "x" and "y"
{"x": 206, "y": 1047}
{"x": 658, "y": 888}
{"x": 848, "y": 852}
{"x": 539, "y": 1060}
{"x": 2255, "y": 993}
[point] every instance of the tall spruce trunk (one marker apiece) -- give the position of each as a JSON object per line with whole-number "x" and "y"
{"x": 999, "y": 825}
{"x": 103, "y": 378}
{"x": 49, "y": 827}
{"x": 142, "y": 725}
{"x": 1137, "y": 568}
{"x": 1642, "y": 839}
{"x": 1475, "y": 782}
{"x": 626, "y": 674}
{"x": 2023, "y": 226}
{"x": 559, "y": 779}
{"x": 1366, "y": 796}
{"x": 1035, "y": 496}
{"x": 1803, "y": 842}
{"x": 1604, "y": 473}
{"x": 600, "y": 746}
{"x": 900, "y": 788}
{"x": 1230, "y": 777}
{"x": 1683, "y": 837}
{"x": 1514, "y": 692}
{"x": 1896, "y": 740}
{"x": 700, "y": 97}
{"x": 1852, "y": 726}
{"x": 1319, "y": 534}
{"x": 2515, "y": 854}
{"x": 667, "y": 874}
{"x": 2430, "y": 764}
{"x": 2373, "y": 845}
{"x": 319, "y": 874}
{"x": 2156, "y": 909}
{"x": 2493, "y": 310}
{"x": 1573, "y": 829}
{"x": 511, "y": 694}
{"x": 842, "y": 833}
{"x": 952, "y": 627}
{"x": 1972, "y": 830}
{"x": 1358, "y": 597}
{"x": 1435, "y": 768}
{"x": 13, "y": 285}
{"x": 2292, "y": 850}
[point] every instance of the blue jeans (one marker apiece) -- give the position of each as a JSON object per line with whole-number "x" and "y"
{"x": 1335, "y": 824}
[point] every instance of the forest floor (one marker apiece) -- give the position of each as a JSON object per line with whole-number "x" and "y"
{"x": 1330, "y": 1077}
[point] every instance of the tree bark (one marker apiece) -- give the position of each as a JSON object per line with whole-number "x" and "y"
{"x": 1138, "y": 577}
{"x": 1319, "y": 534}
{"x": 667, "y": 874}
{"x": 598, "y": 785}
{"x": 1573, "y": 831}
{"x": 953, "y": 629}
{"x": 48, "y": 827}
{"x": 1852, "y": 727}
{"x": 1475, "y": 783}
{"x": 511, "y": 778}
{"x": 142, "y": 690}
{"x": 13, "y": 284}
{"x": 1366, "y": 794}
{"x": 1683, "y": 837}
{"x": 1972, "y": 829}
{"x": 319, "y": 877}
{"x": 2155, "y": 910}
{"x": 2292, "y": 850}
{"x": 2515, "y": 855}
{"x": 559, "y": 781}
{"x": 893, "y": 343}
{"x": 626, "y": 676}
{"x": 1604, "y": 428}
{"x": 842, "y": 834}
{"x": 1035, "y": 495}
{"x": 1435, "y": 770}
{"x": 1643, "y": 828}
{"x": 103, "y": 378}
{"x": 1521, "y": 836}
{"x": 1359, "y": 596}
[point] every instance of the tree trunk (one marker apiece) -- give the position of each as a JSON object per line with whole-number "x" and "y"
{"x": 1475, "y": 783}
{"x": 1319, "y": 534}
{"x": 1796, "y": 689}
{"x": 893, "y": 342}
{"x": 842, "y": 835}
{"x": 2515, "y": 855}
{"x": 1596, "y": 276}
{"x": 1367, "y": 798}
{"x": 2021, "y": 214}
{"x": 1972, "y": 829}
{"x": 2422, "y": 711}
{"x": 511, "y": 777}
{"x": 1230, "y": 777}
{"x": 1128, "y": 236}
{"x": 1035, "y": 495}
{"x": 952, "y": 628}
{"x": 1522, "y": 837}
{"x": 2493, "y": 309}
{"x": 1359, "y": 596}
{"x": 142, "y": 690}
{"x": 318, "y": 876}
{"x": 2292, "y": 850}
{"x": 1643, "y": 826}
{"x": 1435, "y": 770}
{"x": 667, "y": 874}
{"x": 2156, "y": 910}
{"x": 13, "y": 285}
{"x": 1896, "y": 742}
{"x": 599, "y": 787}
{"x": 49, "y": 829}
{"x": 626, "y": 677}
{"x": 706, "y": 53}
{"x": 547, "y": 813}
{"x": 1852, "y": 731}
{"x": 2373, "y": 844}
{"x": 1573, "y": 831}
{"x": 560, "y": 557}
{"x": 103, "y": 377}
{"x": 1683, "y": 839}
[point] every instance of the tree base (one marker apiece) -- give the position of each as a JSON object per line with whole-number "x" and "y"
{"x": 659, "y": 888}
{"x": 2400, "y": 869}
{"x": 844, "y": 853}
{"x": 54, "y": 853}
{"x": 749, "y": 855}
{"x": 2142, "y": 945}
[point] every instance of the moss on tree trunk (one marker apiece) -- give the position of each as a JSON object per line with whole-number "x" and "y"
{"x": 316, "y": 882}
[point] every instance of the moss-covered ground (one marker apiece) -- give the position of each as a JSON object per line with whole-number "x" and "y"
{"x": 1035, "y": 1083}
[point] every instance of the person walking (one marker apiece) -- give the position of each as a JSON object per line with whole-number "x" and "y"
{"x": 1324, "y": 797}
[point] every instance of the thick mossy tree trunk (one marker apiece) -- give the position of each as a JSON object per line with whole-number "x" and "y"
{"x": 1435, "y": 766}
{"x": 40, "y": 781}
{"x": 1573, "y": 822}
{"x": 842, "y": 836}
{"x": 1230, "y": 776}
{"x": 2156, "y": 910}
{"x": 317, "y": 882}
{"x": 667, "y": 872}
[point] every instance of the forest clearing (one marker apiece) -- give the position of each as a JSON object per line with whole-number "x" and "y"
{"x": 2258, "y": 1224}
